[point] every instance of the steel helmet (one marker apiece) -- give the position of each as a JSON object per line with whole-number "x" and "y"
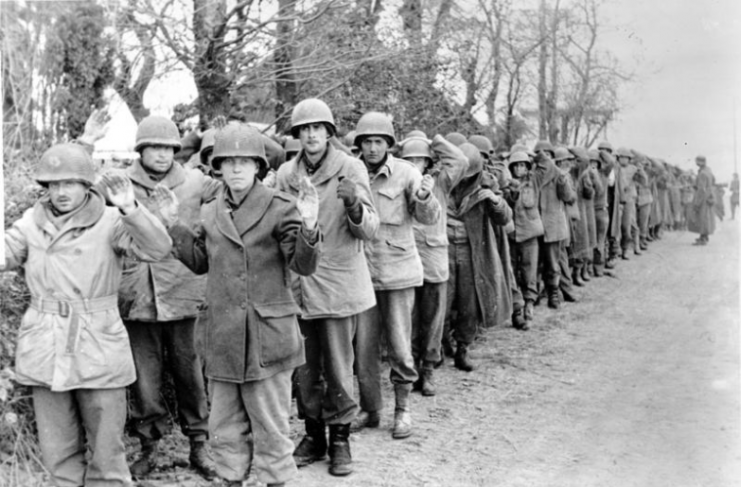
{"x": 475, "y": 161}
{"x": 604, "y": 145}
{"x": 157, "y": 130}
{"x": 65, "y": 162}
{"x": 207, "y": 145}
{"x": 416, "y": 133}
{"x": 561, "y": 154}
{"x": 517, "y": 157}
{"x": 594, "y": 156}
{"x": 416, "y": 147}
{"x": 312, "y": 110}
{"x": 624, "y": 152}
{"x": 456, "y": 138}
{"x": 375, "y": 124}
{"x": 238, "y": 140}
{"x": 544, "y": 145}
{"x": 579, "y": 152}
{"x": 482, "y": 143}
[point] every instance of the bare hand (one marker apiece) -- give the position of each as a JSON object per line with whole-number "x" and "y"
{"x": 426, "y": 187}
{"x": 96, "y": 126}
{"x": 120, "y": 192}
{"x": 308, "y": 203}
{"x": 219, "y": 122}
{"x": 270, "y": 180}
{"x": 167, "y": 205}
{"x": 347, "y": 191}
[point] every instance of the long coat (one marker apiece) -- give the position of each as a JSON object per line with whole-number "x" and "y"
{"x": 585, "y": 233}
{"x": 479, "y": 213}
{"x": 166, "y": 290}
{"x": 432, "y": 240}
{"x": 703, "y": 215}
{"x": 72, "y": 336}
{"x": 553, "y": 190}
{"x": 392, "y": 253}
{"x": 523, "y": 199}
{"x": 341, "y": 285}
{"x": 248, "y": 254}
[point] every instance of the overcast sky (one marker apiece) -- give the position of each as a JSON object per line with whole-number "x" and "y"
{"x": 688, "y": 58}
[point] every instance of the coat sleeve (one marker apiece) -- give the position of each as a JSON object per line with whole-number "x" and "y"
{"x": 190, "y": 247}
{"x": 453, "y": 163}
{"x": 141, "y": 234}
{"x": 597, "y": 182}
{"x": 367, "y": 227}
{"x": 426, "y": 211}
{"x": 587, "y": 188}
{"x": 564, "y": 189}
{"x": 16, "y": 244}
{"x": 497, "y": 210}
{"x": 300, "y": 248}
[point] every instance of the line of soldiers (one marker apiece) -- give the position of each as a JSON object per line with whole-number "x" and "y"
{"x": 280, "y": 269}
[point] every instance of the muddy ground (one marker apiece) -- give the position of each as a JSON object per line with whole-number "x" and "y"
{"x": 636, "y": 385}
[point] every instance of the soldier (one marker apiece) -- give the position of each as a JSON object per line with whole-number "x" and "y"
{"x": 603, "y": 165}
{"x": 159, "y": 304}
{"x": 735, "y": 188}
{"x": 73, "y": 349}
{"x": 479, "y": 293}
{"x": 554, "y": 192}
{"x": 703, "y": 216}
{"x": 447, "y": 165}
{"x": 628, "y": 195}
{"x": 332, "y": 297}
{"x": 248, "y": 235}
{"x": 402, "y": 195}
{"x": 522, "y": 196}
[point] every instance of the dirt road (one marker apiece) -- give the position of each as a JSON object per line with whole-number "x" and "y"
{"x": 636, "y": 385}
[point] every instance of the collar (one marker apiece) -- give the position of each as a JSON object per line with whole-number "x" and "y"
{"x": 234, "y": 223}
{"x": 174, "y": 177}
{"x": 330, "y": 166}
{"x": 87, "y": 215}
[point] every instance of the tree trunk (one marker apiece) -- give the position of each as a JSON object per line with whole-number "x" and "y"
{"x": 286, "y": 91}
{"x": 209, "y": 70}
{"x": 542, "y": 82}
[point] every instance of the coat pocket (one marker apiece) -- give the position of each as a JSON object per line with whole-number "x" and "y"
{"x": 278, "y": 332}
{"x": 391, "y": 205}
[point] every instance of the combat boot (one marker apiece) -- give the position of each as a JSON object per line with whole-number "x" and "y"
{"x": 624, "y": 255}
{"x": 529, "y": 310}
{"x": 585, "y": 272}
{"x": 402, "y": 415}
{"x": 200, "y": 460}
{"x": 428, "y": 383}
{"x": 554, "y": 301}
{"x": 366, "y": 419}
{"x": 576, "y": 276}
{"x": 599, "y": 270}
{"x": 518, "y": 319}
{"x": 313, "y": 446}
{"x": 340, "y": 459}
{"x": 147, "y": 460}
{"x": 462, "y": 361}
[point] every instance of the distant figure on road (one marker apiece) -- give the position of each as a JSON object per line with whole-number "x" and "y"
{"x": 734, "y": 195}
{"x": 703, "y": 216}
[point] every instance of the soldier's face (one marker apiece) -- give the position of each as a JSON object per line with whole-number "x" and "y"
{"x": 374, "y": 149}
{"x": 624, "y": 161}
{"x": 67, "y": 195}
{"x": 239, "y": 173}
{"x": 418, "y": 162}
{"x": 313, "y": 137}
{"x": 158, "y": 158}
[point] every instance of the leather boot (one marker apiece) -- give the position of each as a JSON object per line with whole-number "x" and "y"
{"x": 554, "y": 301}
{"x": 585, "y": 272}
{"x": 462, "y": 361}
{"x": 518, "y": 319}
{"x": 529, "y": 310}
{"x": 340, "y": 460}
{"x": 568, "y": 297}
{"x": 610, "y": 263}
{"x": 428, "y": 383}
{"x": 313, "y": 446}
{"x": 200, "y": 460}
{"x": 599, "y": 270}
{"x": 366, "y": 419}
{"x": 624, "y": 255}
{"x": 146, "y": 462}
{"x": 576, "y": 276}
{"x": 402, "y": 414}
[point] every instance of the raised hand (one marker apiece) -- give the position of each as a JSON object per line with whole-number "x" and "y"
{"x": 167, "y": 205}
{"x": 308, "y": 203}
{"x": 96, "y": 126}
{"x": 426, "y": 187}
{"x": 219, "y": 122}
{"x": 347, "y": 191}
{"x": 120, "y": 192}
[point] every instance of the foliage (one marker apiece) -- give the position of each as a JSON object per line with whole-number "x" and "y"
{"x": 78, "y": 61}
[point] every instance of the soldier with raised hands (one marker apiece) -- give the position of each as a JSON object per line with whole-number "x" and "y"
{"x": 332, "y": 297}
{"x": 402, "y": 196}
{"x": 73, "y": 350}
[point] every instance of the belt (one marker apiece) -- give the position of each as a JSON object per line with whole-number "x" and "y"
{"x": 72, "y": 309}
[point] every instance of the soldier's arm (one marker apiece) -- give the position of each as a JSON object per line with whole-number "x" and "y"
{"x": 497, "y": 210}
{"x": 16, "y": 244}
{"x": 141, "y": 234}
{"x": 190, "y": 247}
{"x": 564, "y": 189}
{"x": 453, "y": 163}
{"x": 362, "y": 218}
{"x": 425, "y": 209}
